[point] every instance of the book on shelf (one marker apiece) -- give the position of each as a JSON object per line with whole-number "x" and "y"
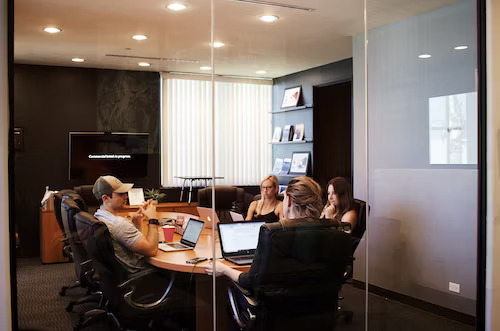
{"x": 285, "y": 169}
{"x": 288, "y": 133}
{"x": 299, "y": 132}
{"x": 278, "y": 164}
{"x": 277, "y": 134}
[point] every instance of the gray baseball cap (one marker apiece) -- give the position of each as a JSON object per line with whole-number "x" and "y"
{"x": 105, "y": 185}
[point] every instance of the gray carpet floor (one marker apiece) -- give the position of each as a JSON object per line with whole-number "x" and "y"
{"x": 40, "y": 307}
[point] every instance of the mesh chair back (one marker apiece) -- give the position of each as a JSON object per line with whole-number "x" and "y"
{"x": 225, "y": 198}
{"x": 57, "y": 208}
{"x": 297, "y": 273}
{"x": 360, "y": 228}
{"x": 100, "y": 248}
{"x": 69, "y": 208}
{"x": 301, "y": 258}
{"x": 85, "y": 191}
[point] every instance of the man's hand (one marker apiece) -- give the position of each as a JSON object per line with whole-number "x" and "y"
{"x": 148, "y": 209}
{"x": 137, "y": 218}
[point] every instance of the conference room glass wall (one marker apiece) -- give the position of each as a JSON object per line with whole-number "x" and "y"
{"x": 422, "y": 159}
{"x": 242, "y": 90}
{"x": 263, "y": 51}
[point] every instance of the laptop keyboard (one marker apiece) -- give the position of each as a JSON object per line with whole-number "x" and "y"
{"x": 242, "y": 258}
{"x": 177, "y": 245}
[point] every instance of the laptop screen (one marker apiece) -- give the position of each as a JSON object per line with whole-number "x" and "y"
{"x": 239, "y": 237}
{"x": 192, "y": 231}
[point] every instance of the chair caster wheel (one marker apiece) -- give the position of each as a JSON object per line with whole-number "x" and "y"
{"x": 69, "y": 307}
{"x": 62, "y": 292}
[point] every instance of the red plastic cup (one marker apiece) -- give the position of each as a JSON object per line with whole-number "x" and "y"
{"x": 168, "y": 232}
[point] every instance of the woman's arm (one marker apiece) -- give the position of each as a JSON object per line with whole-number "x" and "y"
{"x": 279, "y": 210}
{"x": 350, "y": 217}
{"x": 222, "y": 269}
{"x": 251, "y": 210}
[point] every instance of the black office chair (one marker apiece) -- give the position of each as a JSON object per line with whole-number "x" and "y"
{"x": 71, "y": 205}
{"x": 85, "y": 191}
{"x": 227, "y": 198}
{"x": 356, "y": 235}
{"x": 295, "y": 278}
{"x": 66, "y": 249}
{"x": 132, "y": 298}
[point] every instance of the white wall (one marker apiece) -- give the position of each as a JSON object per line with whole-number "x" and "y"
{"x": 493, "y": 173}
{"x": 5, "y": 309}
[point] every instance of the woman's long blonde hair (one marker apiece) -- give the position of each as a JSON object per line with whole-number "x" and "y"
{"x": 276, "y": 185}
{"x": 305, "y": 194}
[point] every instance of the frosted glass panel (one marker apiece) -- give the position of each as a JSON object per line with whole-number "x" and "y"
{"x": 453, "y": 129}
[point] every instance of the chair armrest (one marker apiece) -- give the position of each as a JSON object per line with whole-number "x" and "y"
{"x": 248, "y": 295}
{"x": 236, "y": 309}
{"x": 132, "y": 283}
{"x": 67, "y": 251}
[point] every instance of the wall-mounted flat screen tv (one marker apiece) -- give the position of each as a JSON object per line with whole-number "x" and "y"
{"x": 121, "y": 154}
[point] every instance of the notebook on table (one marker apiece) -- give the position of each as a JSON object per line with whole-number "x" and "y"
{"x": 206, "y": 215}
{"x": 238, "y": 241}
{"x": 188, "y": 240}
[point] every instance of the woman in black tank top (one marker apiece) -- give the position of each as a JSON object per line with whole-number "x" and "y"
{"x": 268, "y": 208}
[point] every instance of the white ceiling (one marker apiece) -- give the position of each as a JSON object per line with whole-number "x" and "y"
{"x": 299, "y": 40}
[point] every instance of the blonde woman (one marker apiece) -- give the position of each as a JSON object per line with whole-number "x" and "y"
{"x": 302, "y": 200}
{"x": 268, "y": 208}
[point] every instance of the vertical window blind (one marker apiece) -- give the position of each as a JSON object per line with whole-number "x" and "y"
{"x": 242, "y": 129}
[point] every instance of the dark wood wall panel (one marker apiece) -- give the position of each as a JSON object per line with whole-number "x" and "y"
{"x": 49, "y": 102}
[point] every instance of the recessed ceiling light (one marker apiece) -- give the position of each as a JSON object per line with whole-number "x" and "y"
{"x": 424, "y": 56}
{"x": 461, "y": 47}
{"x": 77, "y": 59}
{"x": 52, "y": 30}
{"x": 206, "y": 68}
{"x": 176, "y": 6}
{"x": 261, "y": 72}
{"x": 268, "y": 18}
{"x": 139, "y": 37}
{"x": 218, "y": 44}
{"x": 144, "y": 64}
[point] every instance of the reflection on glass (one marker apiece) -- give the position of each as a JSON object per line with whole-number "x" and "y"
{"x": 453, "y": 129}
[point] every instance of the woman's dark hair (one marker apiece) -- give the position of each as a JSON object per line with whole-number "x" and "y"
{"x": 343, "y": 190}
{"x": 306, "y": 197}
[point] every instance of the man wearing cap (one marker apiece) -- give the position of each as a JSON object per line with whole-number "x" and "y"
{"x": 129, "y": 243}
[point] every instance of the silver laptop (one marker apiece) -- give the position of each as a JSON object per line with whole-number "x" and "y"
{"x": 188, "y": 240}
{"x": 238, "y": 241}
{"x": 206, "y": 215}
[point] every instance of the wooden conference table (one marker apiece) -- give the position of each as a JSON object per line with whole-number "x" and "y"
{"x": 176, "y": 261}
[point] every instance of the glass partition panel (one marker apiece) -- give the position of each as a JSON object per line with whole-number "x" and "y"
{"x": 422, "y": 164}
{"x": 284, "y": 109}
{"x": 127, "y": 75}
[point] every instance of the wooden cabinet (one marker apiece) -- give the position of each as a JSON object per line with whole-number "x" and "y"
{"x": 50, "y": 238}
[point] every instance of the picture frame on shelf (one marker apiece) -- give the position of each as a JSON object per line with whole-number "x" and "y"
{"x": 278, "y": 164}
{"x": 285, "y": 167}
{"x": 288, "y": 131}
{"x": 277, "y": 134}
{"x": 300, "y": 163}
{"x": 299, "y": 132}
{"x": 291, "y": 97}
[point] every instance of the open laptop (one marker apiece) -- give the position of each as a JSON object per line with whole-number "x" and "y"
{"x": 236, "y": 216}
{"x": 206, "y": 215}
{"x": 188, "y": 240}
{"x": 238, "y": 241}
